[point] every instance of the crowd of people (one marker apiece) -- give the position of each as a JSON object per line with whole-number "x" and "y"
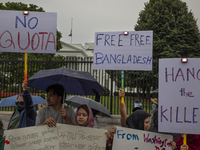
{"x": 54, "y": 112}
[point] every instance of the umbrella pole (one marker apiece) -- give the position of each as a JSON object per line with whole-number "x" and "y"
{"x": 122, "y": 86}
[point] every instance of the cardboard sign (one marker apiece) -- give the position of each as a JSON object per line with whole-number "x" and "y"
{"x": 179, "y": 93}
{"x": 131, "y": 139}
{"x": 75, "y": 137}
{"x": 62, "y": 137}
{"x": 32, "y": 33}
{"x": 118, "y": 51}
{"x": 32, "y": 138}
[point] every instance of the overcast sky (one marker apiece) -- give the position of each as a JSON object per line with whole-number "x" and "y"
{"x": 90, "y": 16}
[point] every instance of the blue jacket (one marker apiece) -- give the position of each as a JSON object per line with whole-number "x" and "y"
{"x": 28, "y": 115}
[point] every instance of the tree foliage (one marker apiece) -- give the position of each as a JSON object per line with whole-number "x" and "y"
{"x": 175, "y": 31}
{"x": 175, "y": 34}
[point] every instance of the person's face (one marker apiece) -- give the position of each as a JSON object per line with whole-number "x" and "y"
{"x": 53, "y": 99}
{"x": 82, "y": 116}
{"x": 20, "y": 101}
{"x": 146, "y": 124}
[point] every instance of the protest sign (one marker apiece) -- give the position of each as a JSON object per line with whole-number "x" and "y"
{"x": 32, "y": 138}
{"x": 32, "y": 33}
{"x": 118, "y": 51}
{"x": 131, "y": 139}
{"x": 179, "y": 92}
{"x": 84, "y": 138}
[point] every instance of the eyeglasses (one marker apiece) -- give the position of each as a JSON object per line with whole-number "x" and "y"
{"x": 19, "y": 103}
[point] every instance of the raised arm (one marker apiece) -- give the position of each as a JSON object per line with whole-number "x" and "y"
{"x": 122, "y": 108}
{"x": 29, "y": 109}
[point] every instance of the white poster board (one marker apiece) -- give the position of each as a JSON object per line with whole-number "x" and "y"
{"x": 32, "y": 33}
{"x": 116, "y": 51}
{"x": 179, "y": 96}
{"x": 131, "y": 139}
{"x": 75, "y": 138}
{"x": 32, "y": 138}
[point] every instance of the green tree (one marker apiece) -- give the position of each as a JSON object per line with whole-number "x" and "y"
{"x": 175, "y": 31}
{"x": 175, "y": 34}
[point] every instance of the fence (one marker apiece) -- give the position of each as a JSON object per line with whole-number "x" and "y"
{"x": 137, "y": 83}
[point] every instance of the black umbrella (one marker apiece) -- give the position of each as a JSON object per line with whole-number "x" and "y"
{"x": 78, "y": 100}
{"x": 74, "y": 82}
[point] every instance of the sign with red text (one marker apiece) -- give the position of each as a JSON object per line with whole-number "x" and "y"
{"x": 131, "y": 139}
{"x": 179, "y": 96}
{"x": 130, "y": 50}
{"x": 32, "y": 33}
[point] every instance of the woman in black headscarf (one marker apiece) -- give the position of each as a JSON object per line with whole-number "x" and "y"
{"x": 139, "y": 119}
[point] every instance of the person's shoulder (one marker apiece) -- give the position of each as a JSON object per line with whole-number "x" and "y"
{"x": 43, "y": 109}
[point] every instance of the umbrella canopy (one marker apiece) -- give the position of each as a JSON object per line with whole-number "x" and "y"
{"x": 10, "y": 101}
{"x": 74, "y": 82}
{"x": 78, "y": 100}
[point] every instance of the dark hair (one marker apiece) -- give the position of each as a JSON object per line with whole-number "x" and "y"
{"x": 85, "y": 108}
{"x": 19, "y": 95}
{"x": 1, "y": 124}
{"x": 57, "y": 89}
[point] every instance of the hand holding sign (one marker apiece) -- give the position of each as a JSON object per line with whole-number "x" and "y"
{"x": 50, "y": 122}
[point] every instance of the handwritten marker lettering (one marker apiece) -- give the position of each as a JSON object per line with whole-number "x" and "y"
{"x": 121, "y": 59}
{"x": 110, "y": 40}
{"x": 27, "y": 39}
{"x": 128, "y": 136}
{"x": 173, "y": 75}
{"x": 156, "y": 140}
{"x": 167, "y": 113}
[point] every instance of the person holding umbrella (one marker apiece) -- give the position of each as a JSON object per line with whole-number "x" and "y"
{"x": 54, "y": 113}
{"x": 25, "y": 113}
